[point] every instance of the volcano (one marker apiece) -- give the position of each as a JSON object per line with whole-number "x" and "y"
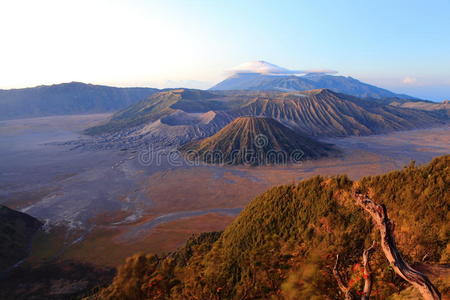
{"x": 264, "y": 76}
{"x": 256, "y": 141}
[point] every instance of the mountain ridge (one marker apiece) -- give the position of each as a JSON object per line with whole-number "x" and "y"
{"x": 168, "y": 118}
{"x": 67, "y": 98}
{"x": 327, "y": 113}
{"x": 340, "y": 84}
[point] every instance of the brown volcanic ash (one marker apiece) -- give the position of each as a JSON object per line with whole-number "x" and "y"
{"x": 256, "y": 141}
{"x": 176, "y": 117}
{"x": 325, "y": 113}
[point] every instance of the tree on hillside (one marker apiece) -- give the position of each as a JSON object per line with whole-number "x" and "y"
{"x": 379, "y": 215}
{"x": 367, "y": 275}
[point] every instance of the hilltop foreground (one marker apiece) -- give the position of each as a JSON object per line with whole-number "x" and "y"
{"x": 284, "y": 244}
{"x": 16, "y": 232}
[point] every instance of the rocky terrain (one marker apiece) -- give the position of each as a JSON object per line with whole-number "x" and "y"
{"x": 265, "y": 81}
{"x": 443, "y": 107}
{"x": 173, "y": 118}
{"x": 256, "y": 141}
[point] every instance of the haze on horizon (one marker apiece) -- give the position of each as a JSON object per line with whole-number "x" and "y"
{"x": 400, "y": 45}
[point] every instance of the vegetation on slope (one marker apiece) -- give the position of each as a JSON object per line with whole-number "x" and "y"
{"x": 54, "y": 280}
{"x": 418, "y": 200}
{"x": 283, "y": 245}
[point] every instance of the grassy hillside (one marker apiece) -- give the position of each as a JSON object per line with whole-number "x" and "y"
{"x": 283, "y": 245}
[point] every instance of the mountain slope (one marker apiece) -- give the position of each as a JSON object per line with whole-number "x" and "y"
{"x": 180, "y": 116}
{"x": 255, "y": 141}
{"x": 67, "y": 98}
{"x": 284, "y": 243}
{"x": 325, "y": 113}
{"x": 16, "y": 231}
{"x": 285, "y": 83}
{"x": 163, "y": 104}
{"x": 441, "y": 107}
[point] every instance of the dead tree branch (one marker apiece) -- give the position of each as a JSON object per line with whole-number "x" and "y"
{"x": 368, "y": 281}
{"x": 342, "y": 286}
{"x": 401, "y": 267}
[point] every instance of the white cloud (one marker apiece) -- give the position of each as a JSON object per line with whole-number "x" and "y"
{"x": 409, "y": 80}
{"x": 263, "y": 67}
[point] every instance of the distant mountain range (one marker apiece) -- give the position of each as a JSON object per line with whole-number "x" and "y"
{"x": 255, "y": 141}
{"x": 289, "y": 83}
{"x": 67, "y": 98}
{"x": 179, "y": 116}
{"x": 260, "y": 76}
{"x": 264, "y": 76}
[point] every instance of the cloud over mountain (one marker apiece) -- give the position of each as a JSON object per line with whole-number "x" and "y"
{"x": 266, "y": 68}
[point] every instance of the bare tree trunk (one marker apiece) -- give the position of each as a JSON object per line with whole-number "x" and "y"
{"x": 367, "y": 272}
{"x": 367, "y": 276}
{"x": 344, "y": 288}
{"x": 400, "y": 266}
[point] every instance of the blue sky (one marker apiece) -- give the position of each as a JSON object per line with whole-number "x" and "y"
{"x": 400, "y": 45}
